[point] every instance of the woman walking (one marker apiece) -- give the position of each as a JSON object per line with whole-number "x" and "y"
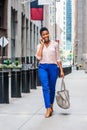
{"x": 48, "y": 69}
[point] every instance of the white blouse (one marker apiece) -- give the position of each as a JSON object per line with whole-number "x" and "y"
{"x": 50, "y": 54}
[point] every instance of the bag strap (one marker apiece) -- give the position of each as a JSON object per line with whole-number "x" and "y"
{"x": 63, "y": 85}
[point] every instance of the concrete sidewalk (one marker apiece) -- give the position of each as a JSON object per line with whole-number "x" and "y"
{"x": 27, "y": 113}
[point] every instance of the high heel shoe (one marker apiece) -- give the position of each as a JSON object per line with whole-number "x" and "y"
{"x": 48, "y": 113}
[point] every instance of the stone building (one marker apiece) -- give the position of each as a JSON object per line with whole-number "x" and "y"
{"x": 50, "y": 18}
{"x": 21, "y": 32}
{"x": 80, "y": 41}
{"x": 3, "y": 22}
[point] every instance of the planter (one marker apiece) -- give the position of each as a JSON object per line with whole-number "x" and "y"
{"x": 4, "y": 87}
{"x": 25, "y": 81}
{"x": 32, "y": 73}
{"x": 16, "y": 83}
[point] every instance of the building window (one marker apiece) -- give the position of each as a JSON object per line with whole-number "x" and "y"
{"x": 1, "y": 13}
{"x": 64, "y": 28}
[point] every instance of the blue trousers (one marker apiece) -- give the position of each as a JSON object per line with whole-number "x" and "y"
{"x": 48, "y": 74}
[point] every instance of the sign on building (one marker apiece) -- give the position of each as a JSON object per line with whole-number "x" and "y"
{"x": 3, "y": 41}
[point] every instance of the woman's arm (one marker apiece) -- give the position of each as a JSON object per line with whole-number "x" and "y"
{"x": 59, "y": 60}
{"x": 61, "y": 69}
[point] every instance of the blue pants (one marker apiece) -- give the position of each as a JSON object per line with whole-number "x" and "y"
{"x": 48, "y": 74}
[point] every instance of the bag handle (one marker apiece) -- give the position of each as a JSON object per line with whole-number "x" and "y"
{"x": 63, "y": 85}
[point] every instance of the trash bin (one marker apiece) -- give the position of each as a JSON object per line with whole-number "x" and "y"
{"x": 67, "y": 70}
{"x": 16, "y": 83}
{"x": 85, "y": 66}
{"x": 4, "y": 87}
{"x": 77, "y": 67}
{"x": 25, "y": 81}
{"x": 32, "y": 78}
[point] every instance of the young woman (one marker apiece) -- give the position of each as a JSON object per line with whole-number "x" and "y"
{"x": 48, "y": 69}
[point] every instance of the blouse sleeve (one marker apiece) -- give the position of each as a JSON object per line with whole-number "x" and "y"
{"x": 57, "y": 53}
{"x": 38, "y": 57}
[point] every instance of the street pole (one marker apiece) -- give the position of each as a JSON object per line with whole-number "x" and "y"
{"x": 41, "y": 23}
{"x": 2, "y": 48}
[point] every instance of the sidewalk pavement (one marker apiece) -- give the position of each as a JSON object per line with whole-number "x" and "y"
{"x": 27, "y": 113}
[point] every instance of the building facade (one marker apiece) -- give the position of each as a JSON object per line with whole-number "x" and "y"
{"x": 68, "y": 25}
{"x": 50, "y": 18}
{"x": 80, "y": 41}
{"x": 3, "y": 23}
{"x": 64, "y": 20}
{"x": 21, "y": 32}
{"x": 61, "y": 23}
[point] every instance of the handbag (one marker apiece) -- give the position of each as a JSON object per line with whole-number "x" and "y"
{"x": 62, "y": 97}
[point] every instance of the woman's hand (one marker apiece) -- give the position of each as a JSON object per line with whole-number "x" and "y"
{"x": 39, "y": 52}
{"x": 62, "y": 74}
{"x": 41, "y": 41}
{"x": 61, "y": 69}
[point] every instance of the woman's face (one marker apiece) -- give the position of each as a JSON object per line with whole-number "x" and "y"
{"x": 45, "y": 36}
